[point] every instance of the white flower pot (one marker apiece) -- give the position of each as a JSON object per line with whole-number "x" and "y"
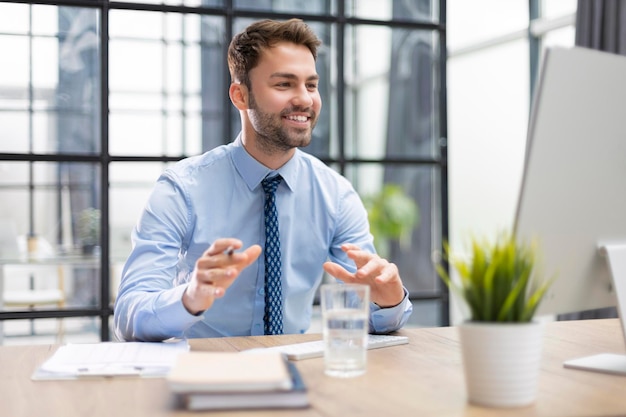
{"x": 501, "y": 362}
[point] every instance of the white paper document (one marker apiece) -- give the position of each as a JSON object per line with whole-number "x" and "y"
{"x": 111, "y": 359}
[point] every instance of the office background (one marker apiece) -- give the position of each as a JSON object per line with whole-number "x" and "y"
{"x": 430, "y": 95}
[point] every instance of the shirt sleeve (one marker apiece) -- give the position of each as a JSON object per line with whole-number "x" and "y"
{"x": 149, "y": 303}
{"x": 387, "y": 320}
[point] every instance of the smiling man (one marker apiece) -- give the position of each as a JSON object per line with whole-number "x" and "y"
{"x": 235, "y": 241}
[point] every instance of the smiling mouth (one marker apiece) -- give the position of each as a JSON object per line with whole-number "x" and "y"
{"x": 299, "y": 119}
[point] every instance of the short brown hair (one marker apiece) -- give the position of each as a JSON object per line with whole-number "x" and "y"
{"x": 246, "y": 47}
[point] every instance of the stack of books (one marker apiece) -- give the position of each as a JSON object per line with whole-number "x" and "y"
{"x": 230, "y": 380}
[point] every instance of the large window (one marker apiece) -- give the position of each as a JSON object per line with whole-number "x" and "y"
{"x": 495, "y": 49}
{"x": 98, "y": 97}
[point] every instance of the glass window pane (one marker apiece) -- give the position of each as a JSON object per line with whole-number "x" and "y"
{"x": 162, "y": 84}
{"x": 417, "y": 10}
{"x": 189, "y": 3}
{"x": 412, "y": 253}
{"x": 325, "y": 134}
{"x": 45, "y": 68}
{"x": 58, "y": 83}
{"x": 391, "y": 93}
{"x": 48, "y": 198}
{"x": 46, "y": 19}
{"x": 14, "y": 131}
{"x": 289, "y": 6}
{"x": 15, "y": 66}
{"x": 51, "y": 331}
{"x": 43, "y": 138}
{"x": 563, "y": 37}
{"x": 488, "y": 112}
{"x": 136, "y": 65}
{"x": 137, "y": 133}
{"x": 14, "y": 18}
{"x": 558, "y": 8}
{"x": 78, "y": 90}
{"x": 125, "y": 24}
{"x": 469, "y": 24}
{"x": 130, "y": 186}
{"x": 54, "y": 216}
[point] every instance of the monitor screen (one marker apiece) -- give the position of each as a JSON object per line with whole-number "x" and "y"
{"x": 573, "y": 192}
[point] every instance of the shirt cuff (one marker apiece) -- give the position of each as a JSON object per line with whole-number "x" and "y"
{"x": 385, "y": 320}
{"x": 172, "y": 312}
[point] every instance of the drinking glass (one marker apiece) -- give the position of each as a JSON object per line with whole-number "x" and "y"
{"x": 345, "y": 313}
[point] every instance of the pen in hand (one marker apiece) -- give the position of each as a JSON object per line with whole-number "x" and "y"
{"x": 230, "y": 250}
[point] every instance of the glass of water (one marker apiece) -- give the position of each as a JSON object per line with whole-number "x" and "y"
{"x": 345, "y": 313}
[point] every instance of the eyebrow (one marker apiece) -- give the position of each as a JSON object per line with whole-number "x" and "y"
{"x": 314, "y": 77}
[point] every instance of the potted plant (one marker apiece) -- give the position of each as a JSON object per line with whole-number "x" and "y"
{"x": 500, "y": 341}
{"x": 89, "y": 230}
{"x": 392, "y": 215}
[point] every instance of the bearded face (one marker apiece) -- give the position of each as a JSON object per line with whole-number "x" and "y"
{"x": 283, "y": 98}
{"x": 290, "y": 128}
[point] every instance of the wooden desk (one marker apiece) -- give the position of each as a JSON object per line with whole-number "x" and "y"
{"x": 423, "y": 378}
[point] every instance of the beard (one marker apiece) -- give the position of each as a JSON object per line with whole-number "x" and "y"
{"x": 272, "y": 136}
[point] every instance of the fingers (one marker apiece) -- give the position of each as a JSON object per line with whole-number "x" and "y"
{"x": 222, "y": 254}
{"x": 215, "y": 271}
{"x": 214, "y": 275}
{"x": 381, "y": 275}
{"x": 205, "y": 291}
{"x": 339, "y": 272}
{"x": 367, "y": 263}
{"x": 377, "y": 271}
{"x": 226, "y": 245}
{"x": 221, "y": 269}
{"x": 362, "y": 261}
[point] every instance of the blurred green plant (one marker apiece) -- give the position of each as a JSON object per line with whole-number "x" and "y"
{"x": 498, "y": 281}
{"x": 392, "y": 216}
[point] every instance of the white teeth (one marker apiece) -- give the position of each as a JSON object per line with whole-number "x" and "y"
{"x": 297, "y": 118}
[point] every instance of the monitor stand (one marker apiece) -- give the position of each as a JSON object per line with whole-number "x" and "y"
{"x": 610, "y": 363}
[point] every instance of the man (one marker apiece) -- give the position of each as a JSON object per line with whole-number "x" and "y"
{"x": 196, "y": 268}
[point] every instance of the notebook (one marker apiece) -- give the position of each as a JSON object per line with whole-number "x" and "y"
{"x": 295, "y": 397}
{"x": 207, "y": 372}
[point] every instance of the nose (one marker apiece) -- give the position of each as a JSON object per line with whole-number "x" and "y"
{"x": 302, "y": 97}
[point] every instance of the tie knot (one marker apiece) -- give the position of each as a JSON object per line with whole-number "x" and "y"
{"x": 270, "y": 184}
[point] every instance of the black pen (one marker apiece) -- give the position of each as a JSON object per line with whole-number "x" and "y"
{"x": 230, "y": 250}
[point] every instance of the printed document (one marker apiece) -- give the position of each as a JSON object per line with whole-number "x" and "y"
{"x": 111, "y": 359}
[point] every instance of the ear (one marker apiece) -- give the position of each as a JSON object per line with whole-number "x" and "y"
{"x": 238, "y": 94}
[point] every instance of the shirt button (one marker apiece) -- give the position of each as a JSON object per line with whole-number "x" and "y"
{"x": 261, "y": 291}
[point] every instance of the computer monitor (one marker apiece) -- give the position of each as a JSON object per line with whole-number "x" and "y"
{"x": 573, "y": 192}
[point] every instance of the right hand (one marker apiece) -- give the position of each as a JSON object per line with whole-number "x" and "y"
{"x": 215, "y": 271}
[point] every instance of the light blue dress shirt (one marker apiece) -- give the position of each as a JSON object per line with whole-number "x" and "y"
{"x": 219, "y": 194}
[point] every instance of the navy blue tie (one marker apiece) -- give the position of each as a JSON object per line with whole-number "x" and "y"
{"x": 273, "y": 290}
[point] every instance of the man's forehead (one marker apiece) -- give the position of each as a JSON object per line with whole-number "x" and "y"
{"x": 288, "y": 51}
{"x": 287, "y": 60}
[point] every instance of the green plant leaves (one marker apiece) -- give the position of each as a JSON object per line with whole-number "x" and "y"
{"x": 392, "y": 215}
{"x": 497, "y": 281}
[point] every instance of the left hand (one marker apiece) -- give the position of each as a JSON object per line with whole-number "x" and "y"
{"x": 382, "y": 276}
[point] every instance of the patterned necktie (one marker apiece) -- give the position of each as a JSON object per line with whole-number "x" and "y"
{"x": 273, "y": 290}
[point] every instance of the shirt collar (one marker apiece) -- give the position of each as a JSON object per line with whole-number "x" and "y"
{"x": 253, "y": 172}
